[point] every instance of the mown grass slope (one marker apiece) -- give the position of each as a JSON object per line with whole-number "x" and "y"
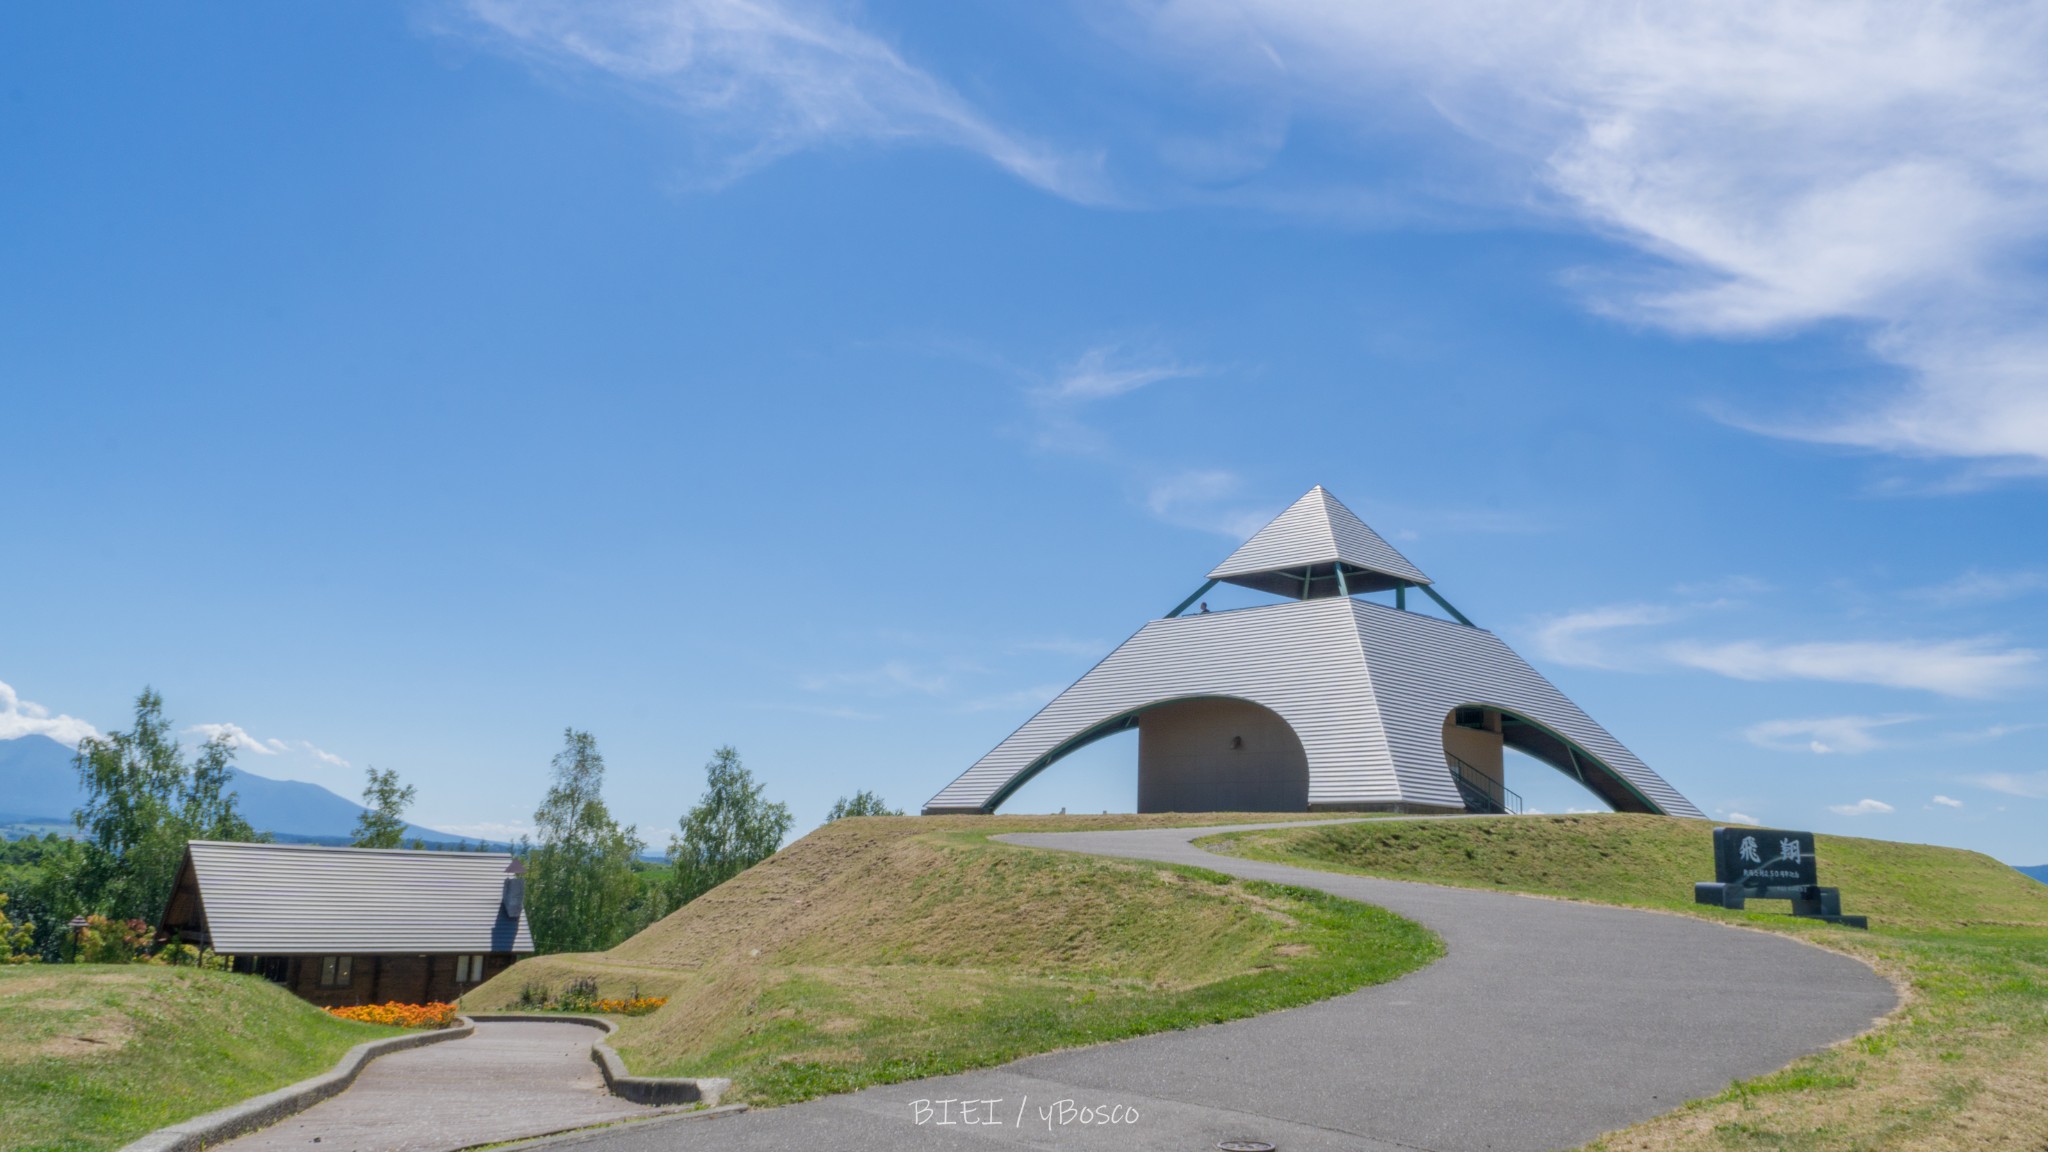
{"x": 883, "y": 949}
{"x": 94, "y": 1056}
{"x": 1963, "y": 1065}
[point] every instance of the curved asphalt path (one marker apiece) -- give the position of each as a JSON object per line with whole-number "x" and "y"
{"x": 505, "y": 1081}
{"x": 1545, "y": 1025}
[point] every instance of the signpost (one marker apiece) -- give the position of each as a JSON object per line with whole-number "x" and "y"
{"x": 1771, "y": 864}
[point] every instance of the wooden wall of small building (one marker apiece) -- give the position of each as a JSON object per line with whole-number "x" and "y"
{"x": 405, "y": 977}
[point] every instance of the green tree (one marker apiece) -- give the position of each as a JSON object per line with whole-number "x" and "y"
{"x": 862, "y": 803}
{"x": 142, "y": 803}
{"x": 731, "y": 829}
{"x": 382, "y": 822}
{"x": 580, "y": 886}
{"x": 40, "y": 877}
{"x": 17, "y": 941}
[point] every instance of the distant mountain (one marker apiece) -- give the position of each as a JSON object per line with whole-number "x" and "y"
{"x": 39, "y": 785}
{"x": 2038, "y": 872}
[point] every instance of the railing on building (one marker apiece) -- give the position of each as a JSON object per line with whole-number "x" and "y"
{"x": 1481, "y": 791}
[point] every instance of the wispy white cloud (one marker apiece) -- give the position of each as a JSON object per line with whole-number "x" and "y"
{"x": 236, "y": 737}
{"x": 2030, "y": 785}
{"x": 1111, "y": 370}
{"x": 20, "y": 717}
{"x": 1975, "y": 587}
{"x": 1949, "y": 667}
{"x": 1206, "y": 498}
{"x": 1577, "y": 638}
{"x": 1823, "y": 734}
{"x": 1064, "y": 646}
{"x": 1742, "y": 818}
{"x": 239, "y": 739}
{"x": 1948, "y": 801}
{"x": 890, "y": 678}
{"x": 1780, "y": 166}
{"x": 322, "y": 754}
{"x": 1864, "y": 807}
{"x": 766, "y": 78}
{"x": 1034, "y": 697}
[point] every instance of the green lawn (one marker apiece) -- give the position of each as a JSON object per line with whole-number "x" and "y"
{"x": 94, "y": 1056}
{"x": 885, "y": 949}
{"x": 1963, "y": 1065}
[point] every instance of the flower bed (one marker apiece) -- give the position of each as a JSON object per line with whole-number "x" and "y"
{"x": 394, "y": 1014}
{"x": 637, "y": 1006}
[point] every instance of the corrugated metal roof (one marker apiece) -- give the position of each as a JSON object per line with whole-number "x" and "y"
{"x": 1317, "y": 529}
{"x": 295, "y": 899}
{"x": 1366, "y": 687}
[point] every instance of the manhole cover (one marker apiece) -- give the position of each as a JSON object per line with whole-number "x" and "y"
{"x": 1244, "y": 1145}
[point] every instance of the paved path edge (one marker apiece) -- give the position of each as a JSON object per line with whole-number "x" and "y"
{"x": 653, "y": 1091}
{"x": 224, "y": 1124}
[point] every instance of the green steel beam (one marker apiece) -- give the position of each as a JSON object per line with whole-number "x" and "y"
{"x": 1343, "y": 589}
{"x": 1197, "y": 594}
{"x": 1446, "y": 606}
{"x": 1401, "y": 597}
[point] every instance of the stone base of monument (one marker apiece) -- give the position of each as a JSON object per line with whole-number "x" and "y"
{"x": 1810, "y": 901}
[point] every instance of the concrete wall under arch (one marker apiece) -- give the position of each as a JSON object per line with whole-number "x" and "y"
{"x": 1219, "y": 755}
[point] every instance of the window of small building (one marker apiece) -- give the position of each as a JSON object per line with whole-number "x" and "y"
{"x": 336, "y": 971}
{"x": 469, "y": 969}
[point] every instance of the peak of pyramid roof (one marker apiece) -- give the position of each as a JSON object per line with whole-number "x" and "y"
{"x": 1316, "y": 531}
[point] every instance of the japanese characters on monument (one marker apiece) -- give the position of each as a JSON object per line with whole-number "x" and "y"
{"x": 1764, "y": 858}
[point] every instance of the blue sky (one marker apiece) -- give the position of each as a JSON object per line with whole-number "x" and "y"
{"x": 400, "y": 384}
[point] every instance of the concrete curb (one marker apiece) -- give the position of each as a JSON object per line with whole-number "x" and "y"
{"x": 222, "y": 1125}
{"x": 650, "y": 1090}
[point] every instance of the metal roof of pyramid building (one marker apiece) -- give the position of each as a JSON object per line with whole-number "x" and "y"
{"x": 1304, "y": 547}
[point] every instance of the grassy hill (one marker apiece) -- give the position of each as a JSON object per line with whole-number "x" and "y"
{"x": 885, "y": 949}
{"x": 93, "y": 1056}
{"x": 1963, "y": 1065}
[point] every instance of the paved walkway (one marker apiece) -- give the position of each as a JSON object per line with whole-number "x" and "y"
{"x": 1547, "y": 1024}
{"x": 508, "y": 1080}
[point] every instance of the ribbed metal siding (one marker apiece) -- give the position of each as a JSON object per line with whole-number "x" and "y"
{"x": 1423, "y": 667}
{"x": 1316, "y": 530}
{"x": 286, "y": 899}
{"x": 1301, "y": 659}
{"x": 1366, "y": 687}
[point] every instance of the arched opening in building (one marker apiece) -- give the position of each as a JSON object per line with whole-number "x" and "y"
{"x": 1477, "y": 738}
{"x": 1198, "y": 754}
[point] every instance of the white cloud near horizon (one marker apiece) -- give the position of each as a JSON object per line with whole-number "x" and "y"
{"x": 240, "y": 739}
{"x": 1948, "y": 801}
{"x": 1864, "y": 807}
{"x": 1780, "y": 166}
{"x": 1968, "y": 668}
{"x": 20, "y": 717}
{"x": 773, "y": 77}
{"x": 1823, "y": 735}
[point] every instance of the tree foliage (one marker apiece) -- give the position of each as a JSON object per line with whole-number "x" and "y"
{"x": 142, "y": 803}
{"x": 40, "y": 877}
{"x": 729, "y": 830}
{"x": 382, "y": 822}
{"x": 17, "y": 941}
{"x": 862, "y": 803}
{"x": 580, "y": 887}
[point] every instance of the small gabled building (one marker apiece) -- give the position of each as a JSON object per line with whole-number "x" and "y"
{"x": 343, "y": 926}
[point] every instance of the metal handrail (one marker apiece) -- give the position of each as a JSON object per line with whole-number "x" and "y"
{"x": 1510, "y": 801}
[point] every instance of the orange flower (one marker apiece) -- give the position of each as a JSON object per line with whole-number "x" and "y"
{"x": 433, "y": 1015}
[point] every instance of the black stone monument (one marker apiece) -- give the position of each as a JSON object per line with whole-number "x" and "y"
{"x": 1771, "y": 864}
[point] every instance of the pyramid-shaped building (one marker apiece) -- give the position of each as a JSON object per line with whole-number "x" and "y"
{"x": 1322, "y": 702}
